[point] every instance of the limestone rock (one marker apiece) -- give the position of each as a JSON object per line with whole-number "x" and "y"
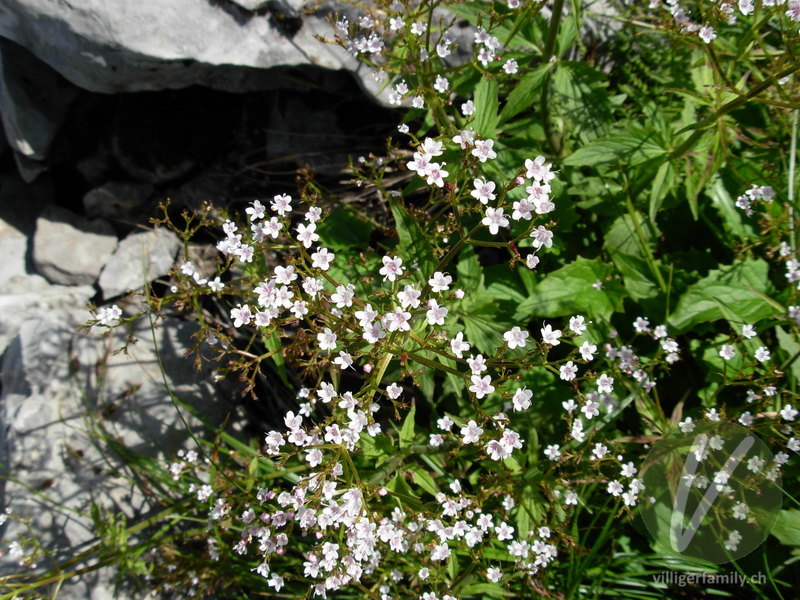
{"x": 140, "y": 258}
{"x": 70, "y": 250}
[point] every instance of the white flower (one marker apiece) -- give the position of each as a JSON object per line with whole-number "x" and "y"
{"x": 568, "y": 371}
{"x": 440, "y": 282}
{"x": 515, "y": 338}
{"x": 481, "y": 386}
{"x": 740, "y": 511}
{"x": 441, "y": 85}
{"x": 471, "y": 432}
{"x": 494, "y": 219}
{"x": 522, "y": 399}
{"x": 539, "y": 171}
{"x": 542, "y": 237}
{"x": 468, "y": 108}
{"x": 727, "y": 352}
{"x": 749, "y": 332}
{"x": 577, "y": 325}
{"x": 436, "y": 314}
{"x": 550, "y": 336}
{"x": 552, "y": 452}
{"x": 484, "y": 190}
{"x": 510, "y": 66}
{"x": 707, "y": 34}
{"x": 392, "y": 268}
{"x": 326, "y": 339}
{"x": 687, "y": 425}
{"x": 483, "y": 150}
{"x": 587, "y": 351}
{"x": 605, "y": 384}
{"x": 458, "y": 345}
{"x": 788, "y": 413}
{"x": 762, "y": 354}
{"x": 322, "y": 259}
{"x": 494, "y": 574}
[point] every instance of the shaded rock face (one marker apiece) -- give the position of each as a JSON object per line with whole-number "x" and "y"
{"x": 55, "y": 381}
{"x": 50, "y": 49}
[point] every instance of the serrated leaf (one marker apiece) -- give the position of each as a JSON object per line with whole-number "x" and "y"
{"x": 407, "y": 431}
{"x": 662, "y": 184}
{"x": 486, "y": 105}
{"x": 414, "y": 247}
{"x": 344, "y": 230}
{"x": 526, "y": 92}
{"x": 724, "y": 294}
{"x": 482, "y": 590}
{"x": 627, "y": 149}
{"x": 570, "y": 290}
{"x": 787, "y": 527}
{"x": 423, "y": 479}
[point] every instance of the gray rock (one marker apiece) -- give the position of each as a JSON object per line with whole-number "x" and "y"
{"x": 33, "y": 100}
{"x": 25, "y": 298}
{"x": 136, "y": 45}
{"x": 140, "y": 258}
{"x": 116, "y": 199}
{"x": 65, "y": 397}
{"x": 251, "y": 4}
{"x": 70, "y": 250}
{"x": 20, "y": 205}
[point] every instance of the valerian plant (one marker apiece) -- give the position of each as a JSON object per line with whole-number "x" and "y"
{"x": 568, "y": 264}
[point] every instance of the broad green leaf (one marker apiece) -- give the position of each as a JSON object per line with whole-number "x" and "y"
{"x": 344, "y": 230}
{"x": 525, "y": 94}
{"x": 571, "y": 289}
{"x": 470, "y": 272}
{"x": 423, "y": 479}
{"x": 662, "y": 184}
{"x": 486, "y": 105}
{"x": 579, "y": 94}
{"x": 407, "y": 431}
{"x": 731, "y": 216}
{"x": 787, "y": 527}
{"x": 724, "y": 294}
{"x": 789, "y": 345}
{"x": 482, "y": 590}
{"x": 414, "y": 247}
{"x": 637, "y": 275}
{"x": 623, "y": 235}
{"x": 624, "y": 148}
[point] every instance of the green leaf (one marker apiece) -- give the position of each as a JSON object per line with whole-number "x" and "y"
{"x": 414, "y": 247}
{"x": 273, "y": 344}
{"x": 662, "y": 184}
{"x": 343, "y": 230}
{"x": 423, "y": 479}
{"x": 482, "y": 590}
{"x": 787, "y": 527}
{"x": 525, "y": 93}
{"x": 470, "y": 272}
{"x": 724, "y": 294}
{"x": 731, "y": 216}
{"x": 407, "y": 431}
{"x": 486, "y": 105}
{"x": 579, "y": 94}
{"x": 789, "y": 345}
{"x": 627, "y": 149}
{"x": 570, "y": 290}
{"x": 636, "y": 275}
